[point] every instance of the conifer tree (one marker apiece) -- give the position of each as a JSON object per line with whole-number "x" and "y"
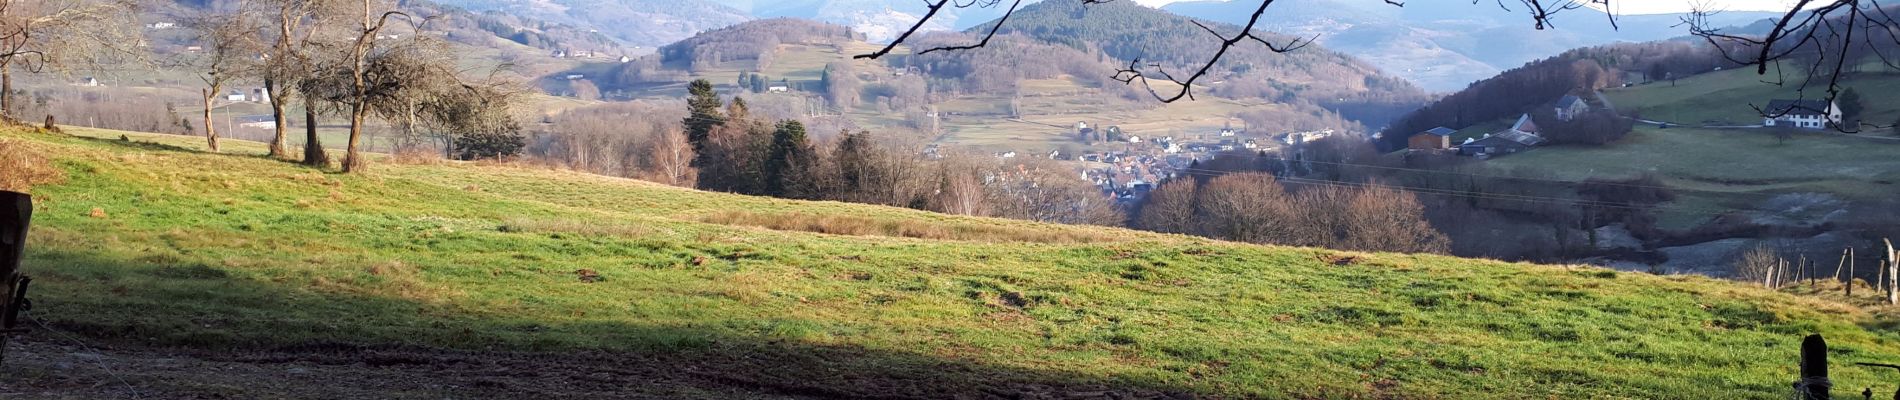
{"x": 786, "y": 164}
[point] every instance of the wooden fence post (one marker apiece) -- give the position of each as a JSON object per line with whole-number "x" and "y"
{"x": 16, "y": 212}
{"x": 1842, "y": 266}
{"x": 1893, "y": 268}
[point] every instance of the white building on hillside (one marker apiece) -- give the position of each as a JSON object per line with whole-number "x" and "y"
{"x": 1810, "y": 114}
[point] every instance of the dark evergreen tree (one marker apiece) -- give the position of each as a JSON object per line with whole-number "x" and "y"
{"x": 786, "y": 165}
{"x": 502, "y": 143}
{"x": 702, "y": 104}
{"x": 1851, "y": 107}
{"x": 854, "y": 151}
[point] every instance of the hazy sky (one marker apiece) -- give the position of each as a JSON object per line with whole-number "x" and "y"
{"x": 1626, "y": 6}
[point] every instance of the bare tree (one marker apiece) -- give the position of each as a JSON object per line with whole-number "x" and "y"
{"x": 960, "y": 187}
{"x": 672, "y": 159}
{"x": 360, "y": 51}
{"x": 1047, "y": 191}
{"x": 286, "y": 60}
{"x": 230, "y": 48}
{"x": 41, "y": 35}
{"x": 1247, "y": 207}
{"x": 1758, "y": 264}
{"x": 1382, "y": 219}
{"x": 1170, "y": 208}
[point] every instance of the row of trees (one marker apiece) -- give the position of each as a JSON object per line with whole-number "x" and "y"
{"x": 61, "y": 35}
{"x": 733, "y": 149}
{"x": 1599, "y": 126}
{"x": 370, "y": 68}
{"x": 1255, "y": 207}
{"x": 378, "y": 65}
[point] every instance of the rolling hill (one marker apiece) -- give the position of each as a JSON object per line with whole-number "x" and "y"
{"x": 420, "y": 281}
{"x": 1019, "y": 94}
{"x": 1445, "y": 46}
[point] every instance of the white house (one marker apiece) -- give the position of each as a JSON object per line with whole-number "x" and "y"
{"x": 1134, "y": 139}
{"x": 777, "y": 89}
{"x": 1809, "y": 114}
{"x": 89, "y": 82}
{"x": 257, "y": 122}
{"x": 1569, "y": 107}
{"x": 234, "y": 96}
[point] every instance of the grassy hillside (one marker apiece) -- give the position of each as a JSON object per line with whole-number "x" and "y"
{"x": 1730, "y": 97}
{"x": 147, "y": 245}
{"x": 1731, "y": 169}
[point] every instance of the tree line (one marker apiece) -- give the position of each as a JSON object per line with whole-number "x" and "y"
{"x": 373, "y": 59}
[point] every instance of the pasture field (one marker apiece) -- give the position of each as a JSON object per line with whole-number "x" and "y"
{"x": 559, "y": 283}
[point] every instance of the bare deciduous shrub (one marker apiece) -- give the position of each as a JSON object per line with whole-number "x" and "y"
{"x": 1246, "y": 207}
{"x": 21, "y": 167}
{"x": 1380, "y": 219}
{"x": 1170, "y": 208}
{"x": 1758, "y": 265}
{"x": 413, "y": 155}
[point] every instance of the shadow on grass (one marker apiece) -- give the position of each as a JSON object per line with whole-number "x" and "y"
{"x": 194, "y": 310}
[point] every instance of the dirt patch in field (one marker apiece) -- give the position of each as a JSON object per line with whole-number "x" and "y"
{"x": 42, "y": 367}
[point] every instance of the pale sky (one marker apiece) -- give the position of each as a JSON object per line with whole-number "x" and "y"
{"x": 1635, "y": 6}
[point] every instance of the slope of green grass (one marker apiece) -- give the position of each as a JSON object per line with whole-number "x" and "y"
{"x": 1732, "y": 169}
{"x": 1730, "y": 97}
{"x": 158, "y": 245}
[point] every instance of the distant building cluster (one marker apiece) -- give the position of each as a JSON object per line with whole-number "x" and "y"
{"x": 1521, "y": 136}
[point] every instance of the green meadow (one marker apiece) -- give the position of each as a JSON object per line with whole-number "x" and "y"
{"x": 151, "y": 242}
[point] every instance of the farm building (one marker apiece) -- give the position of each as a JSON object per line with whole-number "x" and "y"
{"x": 1433, "y": 139}
{"x": 1810, "y": 114}
{"x": 1570, "y": 107}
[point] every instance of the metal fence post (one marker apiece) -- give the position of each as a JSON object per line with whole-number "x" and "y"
{"x": 16, "y": 212}
{"x": 1814, "y": 384}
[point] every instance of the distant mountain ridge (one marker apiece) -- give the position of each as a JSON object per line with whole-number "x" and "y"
{"x": 1313, "y": 75}
{"x": 879, "y": 20}
{"x": 1445, "y": 47}
{"x": 644, "y": 23}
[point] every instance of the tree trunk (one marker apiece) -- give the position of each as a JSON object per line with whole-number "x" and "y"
{"x": 277, "y": 117}
{"x": 6, "y": 91}
{"x": 352, "y": 157}
{"x": 211, "y": 128}
{"x": 313, "y": 153}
